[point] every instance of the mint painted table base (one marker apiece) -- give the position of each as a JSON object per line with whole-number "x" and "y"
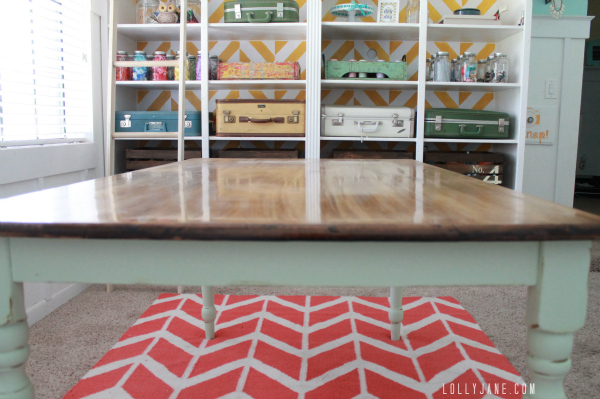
{"x": 555, "y": 271}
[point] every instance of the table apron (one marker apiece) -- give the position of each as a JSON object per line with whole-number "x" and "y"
{"x": 296, "y": 263}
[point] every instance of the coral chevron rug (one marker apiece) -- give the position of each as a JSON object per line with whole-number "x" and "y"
{"x": 269, "y": 347}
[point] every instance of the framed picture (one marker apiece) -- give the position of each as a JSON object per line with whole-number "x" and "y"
{"x": 388, "y": 11}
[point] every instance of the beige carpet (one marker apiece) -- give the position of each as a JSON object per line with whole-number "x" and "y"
{"x": 68, "y": 342}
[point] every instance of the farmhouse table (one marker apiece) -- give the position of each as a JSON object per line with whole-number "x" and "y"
{"x": 214, "y": 222}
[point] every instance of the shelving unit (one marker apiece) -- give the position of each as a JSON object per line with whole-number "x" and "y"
{"x": 420, "y": 94}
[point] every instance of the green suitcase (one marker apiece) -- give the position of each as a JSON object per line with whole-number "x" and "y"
{"x": 257, "y": 11}
{"x": 466, "y": 123}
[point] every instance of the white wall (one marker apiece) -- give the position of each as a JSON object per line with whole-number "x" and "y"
{"x": 557, "y": 48}
{"x": 27, "y": 169}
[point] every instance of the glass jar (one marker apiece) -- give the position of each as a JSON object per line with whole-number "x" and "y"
{"x": 150, "y": 70}
{"x": 469, "y": 67}
{"x": 198, "y": 71}
{"x": 123, "y": 73}
{"x": 187, "y": 69}
{"x": 458, "y": 69}
{"x": 159, "y": 73}
{"x": 190, "y": 73}
{"x": 412, "y": 12}
{"x": 171, "y": 69}
{"x": 193, "y": 13}
{"x": 453, "y": 70}
{"x": 432, "y": 68}
{"x": 489, "y": 69}
{"x": 140, "y": 73}
{"x": 481, "y": 68}
{"x": 442, "y": 67}
{"x": 146, "y": 10}
{"x": 500, "y": 68}
{"x": 427, "y": 68}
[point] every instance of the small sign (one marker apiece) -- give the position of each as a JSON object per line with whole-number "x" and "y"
{"x": 541, "y": 125}
{"x": 388, "y": 12}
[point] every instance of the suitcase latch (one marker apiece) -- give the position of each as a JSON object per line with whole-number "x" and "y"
{"x": 238, "y": 11}
{"x": 126, "y": 122}
{"x": 279, "y": 10}
{"x": 397, "y": 122}
{"x": 295, "y": 118}
{"x": 339, "y": 121}
{"x": 227, "y": 118}
{"x": 438, "y": 123}
{"x": 501, "y": 124}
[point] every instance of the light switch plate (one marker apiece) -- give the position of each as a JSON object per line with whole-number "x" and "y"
{"x": 551, "y": 89}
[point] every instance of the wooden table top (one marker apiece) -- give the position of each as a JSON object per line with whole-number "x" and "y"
{"x": 249, "y": 199}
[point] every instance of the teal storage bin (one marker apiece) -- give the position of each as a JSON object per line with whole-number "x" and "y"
{"x": 156, "y": 121}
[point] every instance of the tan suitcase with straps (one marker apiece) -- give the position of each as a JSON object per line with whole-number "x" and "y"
{"x": 276, "y": 118}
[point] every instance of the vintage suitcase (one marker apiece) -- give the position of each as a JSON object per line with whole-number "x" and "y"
{"x": 370, "y": 69}
{"x": 466, "y": 123}
{"x": 275, "y": 118}
{"x": 157, "y": 121}
{"x": 256, "y": 11}
{"x": 258, "y": 70}
{"x": 486, "y": 166}
{"x": 351, "y": 121}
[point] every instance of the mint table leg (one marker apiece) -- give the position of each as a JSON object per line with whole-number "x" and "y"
{"x": 396, "y": 313}
{"x": 14, "y": 333}
{"x": 209, "y": 313}
{"x": 556, "y": 307}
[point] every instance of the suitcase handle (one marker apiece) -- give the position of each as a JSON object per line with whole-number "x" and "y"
{"x": 244, "y": 119}
{"x": 155, "y": 127}
{"x": 254, "y": 20}
{"x": 463, "y": 130}
{"x": 373, "y": 129}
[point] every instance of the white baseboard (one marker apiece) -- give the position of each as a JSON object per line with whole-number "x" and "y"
{"x": 43, "y": 308}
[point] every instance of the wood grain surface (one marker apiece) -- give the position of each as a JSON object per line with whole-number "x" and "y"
{"x": 264, "y": 199}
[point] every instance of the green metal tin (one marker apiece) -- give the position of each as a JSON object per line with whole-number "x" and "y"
{"x": 341, "y": 69}
{"x": 466, "y": 123}
{"x": 261, "y": 11}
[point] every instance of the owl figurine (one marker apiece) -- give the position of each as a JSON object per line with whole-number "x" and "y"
{"x": 167, "y": 13}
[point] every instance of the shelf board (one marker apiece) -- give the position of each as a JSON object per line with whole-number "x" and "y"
{"x": 159, "y": 85}
{"x": 369, "y": 31}
{"x": 383, "y": 139}
{"x": 267, "y": 31}
{"x": 257, "y": 84}
{"x": 215, "y": 138}
{"x": 377, "y": 84}
{"x": 471, "y": 33}
{"x": 468, "y": 86}
{"x": 490, "y": 141}
{"x": 157, "y": 32}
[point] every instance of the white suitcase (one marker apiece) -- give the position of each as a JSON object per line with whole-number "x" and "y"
{"x": 357, "y": 121}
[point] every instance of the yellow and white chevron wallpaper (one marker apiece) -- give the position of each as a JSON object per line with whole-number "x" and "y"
{"x": 268, "y": 51}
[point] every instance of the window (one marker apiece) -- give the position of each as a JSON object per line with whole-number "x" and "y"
{"x": 45, "y": 77}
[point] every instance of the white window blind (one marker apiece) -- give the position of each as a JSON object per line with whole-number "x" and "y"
{"x": 45, "y": 78}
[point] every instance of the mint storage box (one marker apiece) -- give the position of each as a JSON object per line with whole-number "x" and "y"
{"x": 456, "y": 123}
{"x": 156, "y": 121}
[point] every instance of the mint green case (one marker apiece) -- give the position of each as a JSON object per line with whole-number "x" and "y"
{"x": 261, "y": 11}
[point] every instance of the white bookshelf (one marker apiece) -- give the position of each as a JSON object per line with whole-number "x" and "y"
{"x": 508, "y": 38}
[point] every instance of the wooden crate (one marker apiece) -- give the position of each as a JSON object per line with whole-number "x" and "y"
{"x": 486, "y": 166}
{"x": 369, "y": 154}
{"x": 142, "y": 158}
{"x": 252, "y": 153}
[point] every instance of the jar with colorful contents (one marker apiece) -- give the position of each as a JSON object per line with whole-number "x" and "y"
{"x": 123, "y": 73}
{"x": 193, "y": 11}
{"x": 190, "y": 73}
{"x": 140, "y": 73}
{"x": 469, "y": 67}
{"x": 198, "y": 71}
{"x": 187, "y": 67}
{"x": 146, "y": 10}
{"x": 159, "y": 73}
